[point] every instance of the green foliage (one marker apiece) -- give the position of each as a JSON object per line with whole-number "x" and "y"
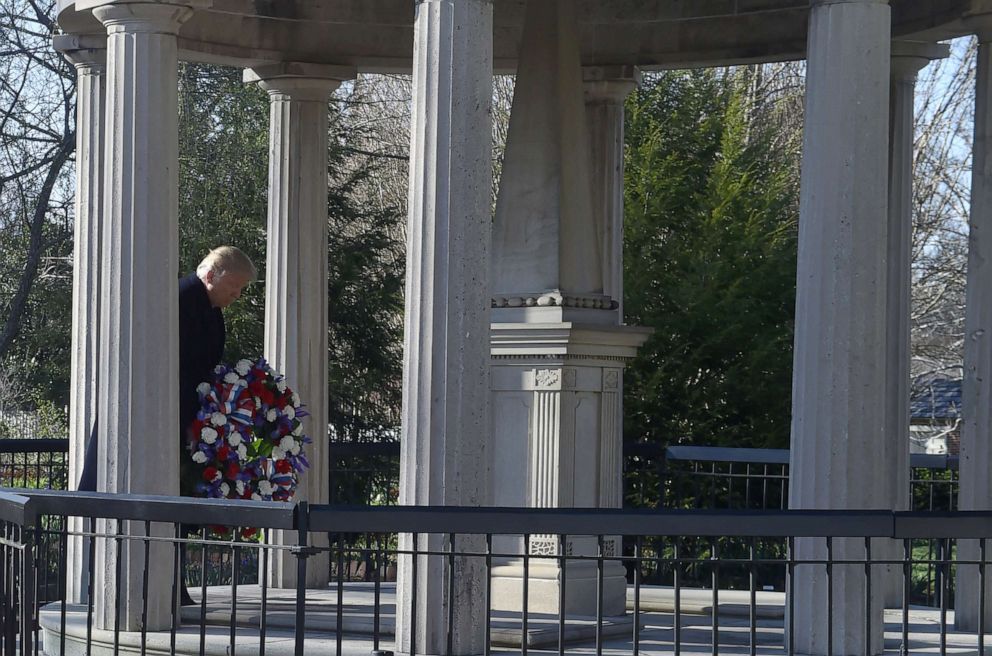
{"x": 365, "y": 285}
{"x": 52, "y": 419}
{"x": 709, "y": 263}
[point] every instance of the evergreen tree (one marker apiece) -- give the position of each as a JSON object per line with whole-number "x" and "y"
{"x": 710, "y": 264}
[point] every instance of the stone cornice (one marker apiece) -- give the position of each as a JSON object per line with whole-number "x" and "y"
{"x": 566, "y": 340}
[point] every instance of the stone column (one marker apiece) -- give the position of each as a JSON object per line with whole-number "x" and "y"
{"x": 139, "y": 349}
{"x": 296, "y": 269}
{"x": 839, "y": 375}
{"x": 976, "y": 428}
{"x": 89, "y": 56}
{"x": 606, "y": 88}
{"x": 445, "y": 446}
{"x": 908, "y": 58}
{"x": 557, "y": 344}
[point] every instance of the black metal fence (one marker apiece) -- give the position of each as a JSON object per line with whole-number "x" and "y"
{"x": 34, "y": 463}
{"x": 688, "y": 477}
{"x": 687, "y": 551}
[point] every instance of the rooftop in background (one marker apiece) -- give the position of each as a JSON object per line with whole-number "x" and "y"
{"x": 941, "y": 400}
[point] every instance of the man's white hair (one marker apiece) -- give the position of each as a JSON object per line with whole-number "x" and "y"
{"x": 227, "y": 259}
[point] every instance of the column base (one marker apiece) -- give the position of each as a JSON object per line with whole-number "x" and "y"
{"x": 544, "y": 590}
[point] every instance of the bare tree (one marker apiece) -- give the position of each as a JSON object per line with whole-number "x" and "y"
{"x": 37, "y": 141}
{"x": 941, "y": 198}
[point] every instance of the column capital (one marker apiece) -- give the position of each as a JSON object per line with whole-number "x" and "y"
{"x": 609, "y": 84}
{"x": 148, "y": 17}
{"x": 910, "y": 57}
{"x": 299, "y": 81}
{"x": 87, "y": 52}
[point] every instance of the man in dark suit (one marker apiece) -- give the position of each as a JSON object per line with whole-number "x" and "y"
{"x": 218, "y": 281}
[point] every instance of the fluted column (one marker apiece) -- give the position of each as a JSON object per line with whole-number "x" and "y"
{"x": 976, "y": 428}
{"x": 838, "y": 439}
{"x": 89, "y": 56}
{"x": 139, "y": 348}
{"x": 908, "y": 58}
{"x": 296, "y": 267}
{"x": 445, "y": 445}
{"x": 606, "y": 88}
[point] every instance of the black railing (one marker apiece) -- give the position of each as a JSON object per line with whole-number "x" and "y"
{"x": 699, "y": 477}
{"x": 692, "y": 553}
{"x": 34, "y": 463}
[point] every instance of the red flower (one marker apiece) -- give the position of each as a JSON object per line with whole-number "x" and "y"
{"x": 210, "y": 473}
{"x": 247, "y": 533}
{"x": 232, "y": 470}
{"x": 223, "y": 451}
{"x": 283, "y": 466}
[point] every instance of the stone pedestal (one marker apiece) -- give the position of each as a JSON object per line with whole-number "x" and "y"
{"x": 89, "y": 55}
{"x": 445, "y": 443}
{"x": 838, "y": 457}
{"x": 296, "y": 271}
{"x": 908, "y": 58}
{"x": 139, "y": 315}
{"x": 557, "y": 426}
{"x": 976, "y": 427}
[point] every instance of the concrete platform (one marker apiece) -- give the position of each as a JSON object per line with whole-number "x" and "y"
{"x": 357, "y": 620}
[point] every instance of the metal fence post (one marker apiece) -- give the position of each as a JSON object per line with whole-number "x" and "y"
{"x": 302, "y": 550}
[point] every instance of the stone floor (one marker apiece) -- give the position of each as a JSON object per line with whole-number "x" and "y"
{"x": 358, "y": 620}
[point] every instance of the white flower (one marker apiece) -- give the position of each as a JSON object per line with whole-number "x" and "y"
{"x": 199, "y": 457}
{"x": 289, "y": 412}
{"x": 203, "y": 389}
{"x": 208, "y": 435}
{"x": 240, "y": 487}
{"x": 265, "y": 488}
{"x": 299, "y": 429}
{"x": 243, "y": 367}
{"x": 281, "y": 386}
{"x": 278, "y": 453}
{"x": 287, "y": 443}
{"x": 271, "y": 415}
{"x": 242, "y": 452}
{"x": 230, "y": 377}
{"x": 219, "y": 369}
{"x": 255, "y": 496}
{"x": 296, "y": 449}
{"x": 217, "y": 476}
{"x": 218, "y": 419}
{"x": 258, "y": 403}
{"x": 234, "y": 439}
{"x": 225, "y": 489}
{"x": 296, "y": 400}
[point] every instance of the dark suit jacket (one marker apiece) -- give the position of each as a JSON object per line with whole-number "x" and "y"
{"x": 201, "y": 344}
